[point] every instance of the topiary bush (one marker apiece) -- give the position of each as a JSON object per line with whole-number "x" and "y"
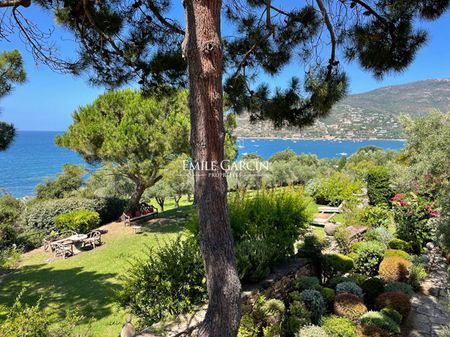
{"x": 173, "y": 292}
{"x": 392, "y": 313}
{"x": 380, "y": 320}
{"x": 328, "y": 295}
{"x": 333, "y": 282}
{"x": 334, "y": 264}
{"x": 307, "y": 282}
{"x": 399, "y": 286}
{"x": 314, "y": 302}
{"x": 395, "y": 300}
{"x": 394, "y": 269}
{"x": 349, "y": 287}
{"x": 312, "y": 331}
{"x": 372, "y": 287}
{"x": 349, "y": 306}
{"x": 400, "y": 244}
{"x": 296, "y": 317}
{"x": 379, "y": 188}
{"x": 397, "y": 252}
{"x": 80, "y": 221}
{"x": 338, "y": 326}
{"x": 368, "y": 257}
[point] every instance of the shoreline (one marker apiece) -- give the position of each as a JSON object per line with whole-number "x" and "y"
{"x": 324, "y": 139}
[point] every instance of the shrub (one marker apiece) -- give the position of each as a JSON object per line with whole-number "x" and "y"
{"x": 372, "y": 287}
{"x": 173, "y": 292}
{"x": 376, "y": 216}
{"x": 80, "y": 221}
{"x": 380, "y": 234}
{"x": 276, "y": 218}
{"x": 23, "y": 320}
{"x": 264, "y": 318}
{"x": 379, "y": 188}
{"x": 333, "y": 282}
{"x": 314, "y": 302}
{"x": 349, "y": 305}
{"x": 358, "y": 278}
{"x": 368, "y": 257}
{"x": 380, "y": 320}
{"x": 328, "y": 295}
{"x": 334, "y": 264}
{"x": 297, "y": 316}
{"x": 417, "y": 274}
{"x": 253, "y": 259}
{"x": 343, "y": 239}
{"x": 392, "y": 313}
{"x": 41, "y": 214}
{"x": 412, "y": 214}
{"x": 349, "y": 287}
{"x": 399, "y": 244}
{"x": 399, "y": 286}
{"x": 372, "y": 331}
{"x": 397, "y": 252}
{"x": 394, "y": 269}
{"x": 338, "y": 326}
{"x": 395, "y": 300}
{"x": 335, "y": 189}
{"x": 307, "y": 282}
{"x": 444, "y": 331}
{"x": 312, "y": 331}
{"x": 311, "y": 248}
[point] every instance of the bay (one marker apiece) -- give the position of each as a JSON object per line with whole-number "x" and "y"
{"x": 34, "y": 157}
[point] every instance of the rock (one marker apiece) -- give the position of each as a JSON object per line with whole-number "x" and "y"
{"x": 430, "y": 245}
{"x": 128, "y": 329}
{"x": 330, "y": 228}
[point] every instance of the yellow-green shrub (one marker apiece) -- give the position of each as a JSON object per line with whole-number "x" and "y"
{"x": 394, "y": 269}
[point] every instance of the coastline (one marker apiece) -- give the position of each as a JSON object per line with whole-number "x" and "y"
{"x": 324, "y": 139}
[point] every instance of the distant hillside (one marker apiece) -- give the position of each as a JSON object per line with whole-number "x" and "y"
{"x": 373, "y": 114}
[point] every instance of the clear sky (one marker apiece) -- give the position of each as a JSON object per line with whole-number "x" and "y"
{"x": 47, "y": 100}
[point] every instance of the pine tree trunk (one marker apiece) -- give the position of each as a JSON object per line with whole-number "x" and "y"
{"x": 203, "y": 51}
{"x": 133, "y": 203}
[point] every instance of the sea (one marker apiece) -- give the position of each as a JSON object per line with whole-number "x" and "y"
{"x": 34, "y": 157}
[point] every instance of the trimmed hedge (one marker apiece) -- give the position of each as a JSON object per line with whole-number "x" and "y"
{"x": 349, "y": 306}
{"x": 380, "y": 320}
{"x": 395, "y": 300}
{"x": 394, "y": 269}
{"x": 80, "y": 221}
{"x": 41, "y": 214}
{"x": 338, "y": 326}
{"x": 334, "y": 264}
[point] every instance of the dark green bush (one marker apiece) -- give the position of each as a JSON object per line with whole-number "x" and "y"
{"x": 334, "y": 264}
{"x": 400, "y": 244}
{"x": 169, "y": 281}
{"x": 349, "y": 287}
{"x": 10, "y": 209}
{"x": 80, "y": 221}
{"x": 379, "y": 188}
{"x": 297, "y": 317}
{"x": 66, "y": 182}
{"x": 334, "y": 281}
{"x": 392, "y": 313}
{"x": 372, "y": 287}
{"x": 328, "y": 295}
{"x": 338, "y": 326}
{"x": 376, "y": 216}
{"x": 335, "y": 189}
{"x": 254, "y": 259}
{"x": 307, "y": 282}
{"x": 399, "y": 286}
{"x": 314, "y": 302}
{"x": 368, "y": 257}
{"x": 417, "y": 274}
{"x": 380, "y": 320}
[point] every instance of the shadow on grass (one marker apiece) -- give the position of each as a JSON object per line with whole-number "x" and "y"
{"x": 172, "y": 221}
{"x": 61, "y": 289}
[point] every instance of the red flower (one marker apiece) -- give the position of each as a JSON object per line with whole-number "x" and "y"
{"x": 398, "y": 197}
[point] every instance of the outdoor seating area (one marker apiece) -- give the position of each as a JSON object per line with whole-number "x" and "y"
{"x": 145, "y": 211}
{"x": 69, "y": 243}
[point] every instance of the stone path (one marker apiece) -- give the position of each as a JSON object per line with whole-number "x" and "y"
{"x": 429, "y": 310}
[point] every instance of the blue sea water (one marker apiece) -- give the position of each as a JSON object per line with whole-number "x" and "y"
{"x": 33, "y": 156}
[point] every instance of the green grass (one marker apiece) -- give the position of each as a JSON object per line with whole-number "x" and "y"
{"x": 89, "y": 280}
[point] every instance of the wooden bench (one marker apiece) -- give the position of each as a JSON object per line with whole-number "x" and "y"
{"x": 145, "y": 211}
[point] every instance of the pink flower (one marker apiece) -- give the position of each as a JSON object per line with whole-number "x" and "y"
{"x": 398, "y": 197}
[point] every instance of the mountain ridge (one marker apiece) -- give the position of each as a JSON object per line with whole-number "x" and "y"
{"x": 369, "y": 115}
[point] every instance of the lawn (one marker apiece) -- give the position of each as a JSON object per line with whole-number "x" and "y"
{"x": 89, "y": 280}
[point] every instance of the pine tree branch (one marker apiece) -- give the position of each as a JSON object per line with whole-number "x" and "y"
{"x": 163, "y": 20}
{"x": 15, "y": 3}
{"x": 371, "y": 11}
{"x": 330, "y": 29}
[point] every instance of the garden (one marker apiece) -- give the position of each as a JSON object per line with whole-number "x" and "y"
{"x": 364, "y": 283}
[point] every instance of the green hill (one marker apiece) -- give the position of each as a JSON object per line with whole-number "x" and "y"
{"x": 373, "y": 114}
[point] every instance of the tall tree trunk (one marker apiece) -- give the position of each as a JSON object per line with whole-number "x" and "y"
{"x": 202, "y": 49}
{"x": 133, "y": 203}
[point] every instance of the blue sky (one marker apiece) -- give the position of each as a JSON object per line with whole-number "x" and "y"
{"x": 47, "y": 100}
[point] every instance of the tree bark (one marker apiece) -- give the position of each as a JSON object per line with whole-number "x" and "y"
{"x": 160, "y": 202}
{"x": 202, "y": 49}
{"x": 133, "y": 203}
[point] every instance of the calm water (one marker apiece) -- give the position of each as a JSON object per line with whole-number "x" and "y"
{"x": 34, "y": 156}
